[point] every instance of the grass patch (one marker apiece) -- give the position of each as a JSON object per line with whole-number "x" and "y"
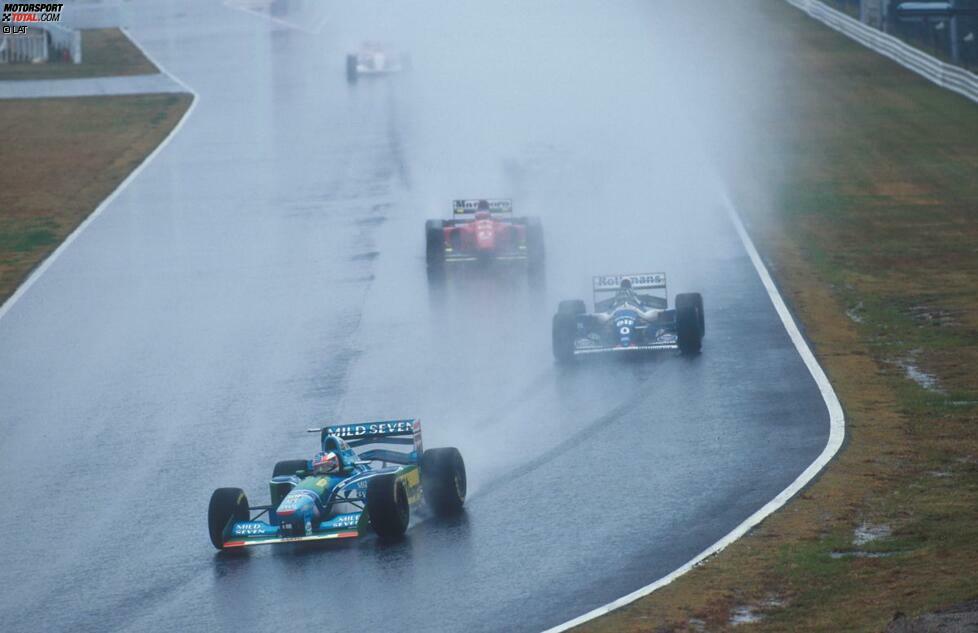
{"x": 21, "y": 239}
{"x": 873, "y": 236}
{"x": 105, "y": 53}
{"x": 71, "y": 153}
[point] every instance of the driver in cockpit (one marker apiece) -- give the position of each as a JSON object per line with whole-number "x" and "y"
{"x": 627, "y": 296}
{"x": 482, "y": 211}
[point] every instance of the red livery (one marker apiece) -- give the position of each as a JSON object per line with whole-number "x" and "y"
{"x": 483, "y": 231}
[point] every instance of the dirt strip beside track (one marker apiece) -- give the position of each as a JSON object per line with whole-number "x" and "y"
{"x": 872, "y": 240}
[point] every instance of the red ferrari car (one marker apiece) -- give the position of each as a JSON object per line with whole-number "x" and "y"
{"x": 484, "y": 231}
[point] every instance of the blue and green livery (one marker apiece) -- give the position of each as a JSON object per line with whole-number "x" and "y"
{"x": 376, "y": 489}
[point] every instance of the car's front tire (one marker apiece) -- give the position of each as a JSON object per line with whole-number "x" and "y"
{"x": 226, "y": 504}
{"x": 387, "y": 506}
{"x": 443, "y": 480}
{"x": 290, "y": 467}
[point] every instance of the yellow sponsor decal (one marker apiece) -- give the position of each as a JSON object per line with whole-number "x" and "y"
{"x": 412, "y": 480}
{"x": 412, "y": 477}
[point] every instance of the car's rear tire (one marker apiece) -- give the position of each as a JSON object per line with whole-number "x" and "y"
{"x": 351, "y": 69}
{"x": 690, "y": 324}
{"x": 563, "y": 334}
{"x": 387, "y": 506}
{"x": 290, "y": 467}
{"x": 443, "y": 480}
{"x": 434, "y": 234}
{"x": 571, "y": 306}
{"x": 534, "y": 246}
{"x": 226, "y": 504}
{"x": 695, "y": 300}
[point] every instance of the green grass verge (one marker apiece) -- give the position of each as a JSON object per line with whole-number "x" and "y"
{"x": 867, "y": 207}
{"x": 84, "y": 147}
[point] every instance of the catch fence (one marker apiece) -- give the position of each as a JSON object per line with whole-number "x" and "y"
{"x": 941, "y": 73}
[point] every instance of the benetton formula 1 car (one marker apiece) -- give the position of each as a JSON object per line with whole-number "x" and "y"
{"x": 339, "y": 493}
{"x": 373, "y": 59}
{"x": 626, "y": 320}
{"x": 482, "y": 231}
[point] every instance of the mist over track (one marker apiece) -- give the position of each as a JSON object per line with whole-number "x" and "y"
{"x": 266, "y": 273}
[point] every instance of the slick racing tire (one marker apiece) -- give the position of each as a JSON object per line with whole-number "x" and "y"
{"x": 688, "y": 330}
{"x": 443, "y": 480}
{"x": 227, "y": 504}
{"x": 563, "y": 334}
{"x": 694, "y": 299}
{"x": 290, "y": 467}
{"x": 571, "y": 306}
{"x": 351, "y": 69}
{"x": 434, "y": 235}
{"x": 534, "y": 245}
{"x": 387, "y": 506}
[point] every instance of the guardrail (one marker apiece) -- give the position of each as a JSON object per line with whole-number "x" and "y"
{"x": 41, "y": 44}
{"x": 66, "y": 39}
{"x": 945, "y": 75}
{"x": 24, "y": 47}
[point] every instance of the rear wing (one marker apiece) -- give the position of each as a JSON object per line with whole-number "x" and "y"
{"x": 470, "y": 206}
{"x": 639, "y": 281}
{"x": 400, "y": 432}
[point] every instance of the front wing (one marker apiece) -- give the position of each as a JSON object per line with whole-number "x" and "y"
{"x": 599, "y": 349}
{"x": 666, "y": 339}
{"x": 246, "y": 533}
{"x": 518, "y": 255}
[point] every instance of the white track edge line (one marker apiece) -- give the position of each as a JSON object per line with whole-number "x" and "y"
{"x": 832, "y": 446}
{"x": 53, "y": 257}
{"x": 836, "y": 418}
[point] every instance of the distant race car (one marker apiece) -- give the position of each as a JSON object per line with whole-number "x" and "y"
{"x": 627, "y": 320}
{"x": 482, "y": 231}
{"x": 339, "y": 493}
{"x": 373, "y": 59}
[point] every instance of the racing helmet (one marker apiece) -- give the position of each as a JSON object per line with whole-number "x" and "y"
{"x": 624, "y": 291}
{"x": 483, "y": 205}
{"x": 326, "y": 463}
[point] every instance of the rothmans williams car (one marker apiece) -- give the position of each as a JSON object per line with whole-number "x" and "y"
{"x": 340, "y": 492}
{"x": 628, "y": 320}
{"x": 483, "y": 231}
{"x": 372, "y": 60}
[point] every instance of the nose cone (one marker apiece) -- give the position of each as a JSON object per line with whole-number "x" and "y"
{"x": 624, "y": 324}
{"x": 298, "y": 504}
{"x": 485, "y": 236}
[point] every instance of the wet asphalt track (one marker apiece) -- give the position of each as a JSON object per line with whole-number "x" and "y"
{"x": 265, "y": 274}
